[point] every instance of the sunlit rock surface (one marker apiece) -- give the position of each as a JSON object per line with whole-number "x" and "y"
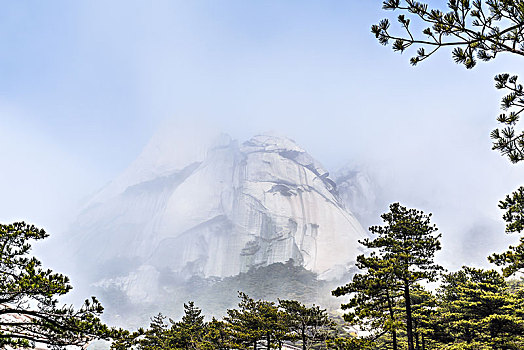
{"x": 219, "y": 211}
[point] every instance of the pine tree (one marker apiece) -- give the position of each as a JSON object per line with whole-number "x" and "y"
{"x": 478, "y": 311}
{"x": 218, "y": 336}
{"x": 154, "y": 338}
{"x": 407, "y": 240}
{"x": 256, "y": 320}
{"x": 477, "y": 31}
{"x": 373, "y": 297}
{"x": 190, "y": 330}
{"x": 403, "y": 253}
{"x": 423, "y": 307}
{"x": 29, "y": 294}
{"x": 309, "y": 324}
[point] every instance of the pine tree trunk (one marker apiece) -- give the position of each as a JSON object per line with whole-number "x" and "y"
{"x": 409, "y": 321}
{"x": 394, "y": 334}
{"x": 268, "y": 341}
{"x": 423, "y": 342}
{"x": 255, "y": 345}
{"x": 392, "y": 317}
{"x": 416, "y": 334}
{"x": 304, "y": 347}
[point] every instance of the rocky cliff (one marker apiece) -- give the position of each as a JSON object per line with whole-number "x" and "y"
{"x": 226, "y": 208}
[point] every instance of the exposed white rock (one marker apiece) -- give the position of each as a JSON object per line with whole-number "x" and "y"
{"x": 217, "y": 213}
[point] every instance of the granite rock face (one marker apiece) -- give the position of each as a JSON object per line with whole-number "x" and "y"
{"x": 226, "y": 208}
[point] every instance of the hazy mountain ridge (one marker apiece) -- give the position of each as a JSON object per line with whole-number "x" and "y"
{"x": 360, "y": 193}
{"x": 219, "y": 213}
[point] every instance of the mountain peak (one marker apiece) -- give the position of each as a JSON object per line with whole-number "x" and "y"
{"x": 273, "y": 141}
{"x": 224, "y": 209}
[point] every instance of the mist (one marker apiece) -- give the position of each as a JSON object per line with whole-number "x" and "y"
{"x": 86, "y": 85}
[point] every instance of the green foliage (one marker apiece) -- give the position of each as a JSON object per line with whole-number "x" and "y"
{"x": 280, "y": 280}
{"x": 28, "y": 295}
{"x": 158, "y": 336}
{"x": 477, "y": 311}
{"x": 513, "y": 259}
{"x": 374, "y": 297}
{"x": 189, "y": 333}
{"x": 507, "y": 140}
{"x": 514, "y": 215}
{"x": 423, "y": 305}
{"x": 408, "y": 242}
{"x": 476, "y": 30}
{"x": 308, "y": 324}
{"x": 473, "y": 309}
{"x": 191, "y": 329}
{"x": 254, "y": 323}
{"x": 351, "y": 344}
{"x": 402, "y": 256}
{"x": 256, "y": 320}
{"x": 290, "y": 320}
{"x": 218, "y": 336}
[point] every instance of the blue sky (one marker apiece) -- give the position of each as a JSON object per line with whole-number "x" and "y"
{"x": 85, "y": 84}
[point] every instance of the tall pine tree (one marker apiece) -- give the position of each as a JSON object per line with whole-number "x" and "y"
{"x": 256, "y": 320}
{"x": 402, "y": 256}
{"x": 373, "y": 297}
